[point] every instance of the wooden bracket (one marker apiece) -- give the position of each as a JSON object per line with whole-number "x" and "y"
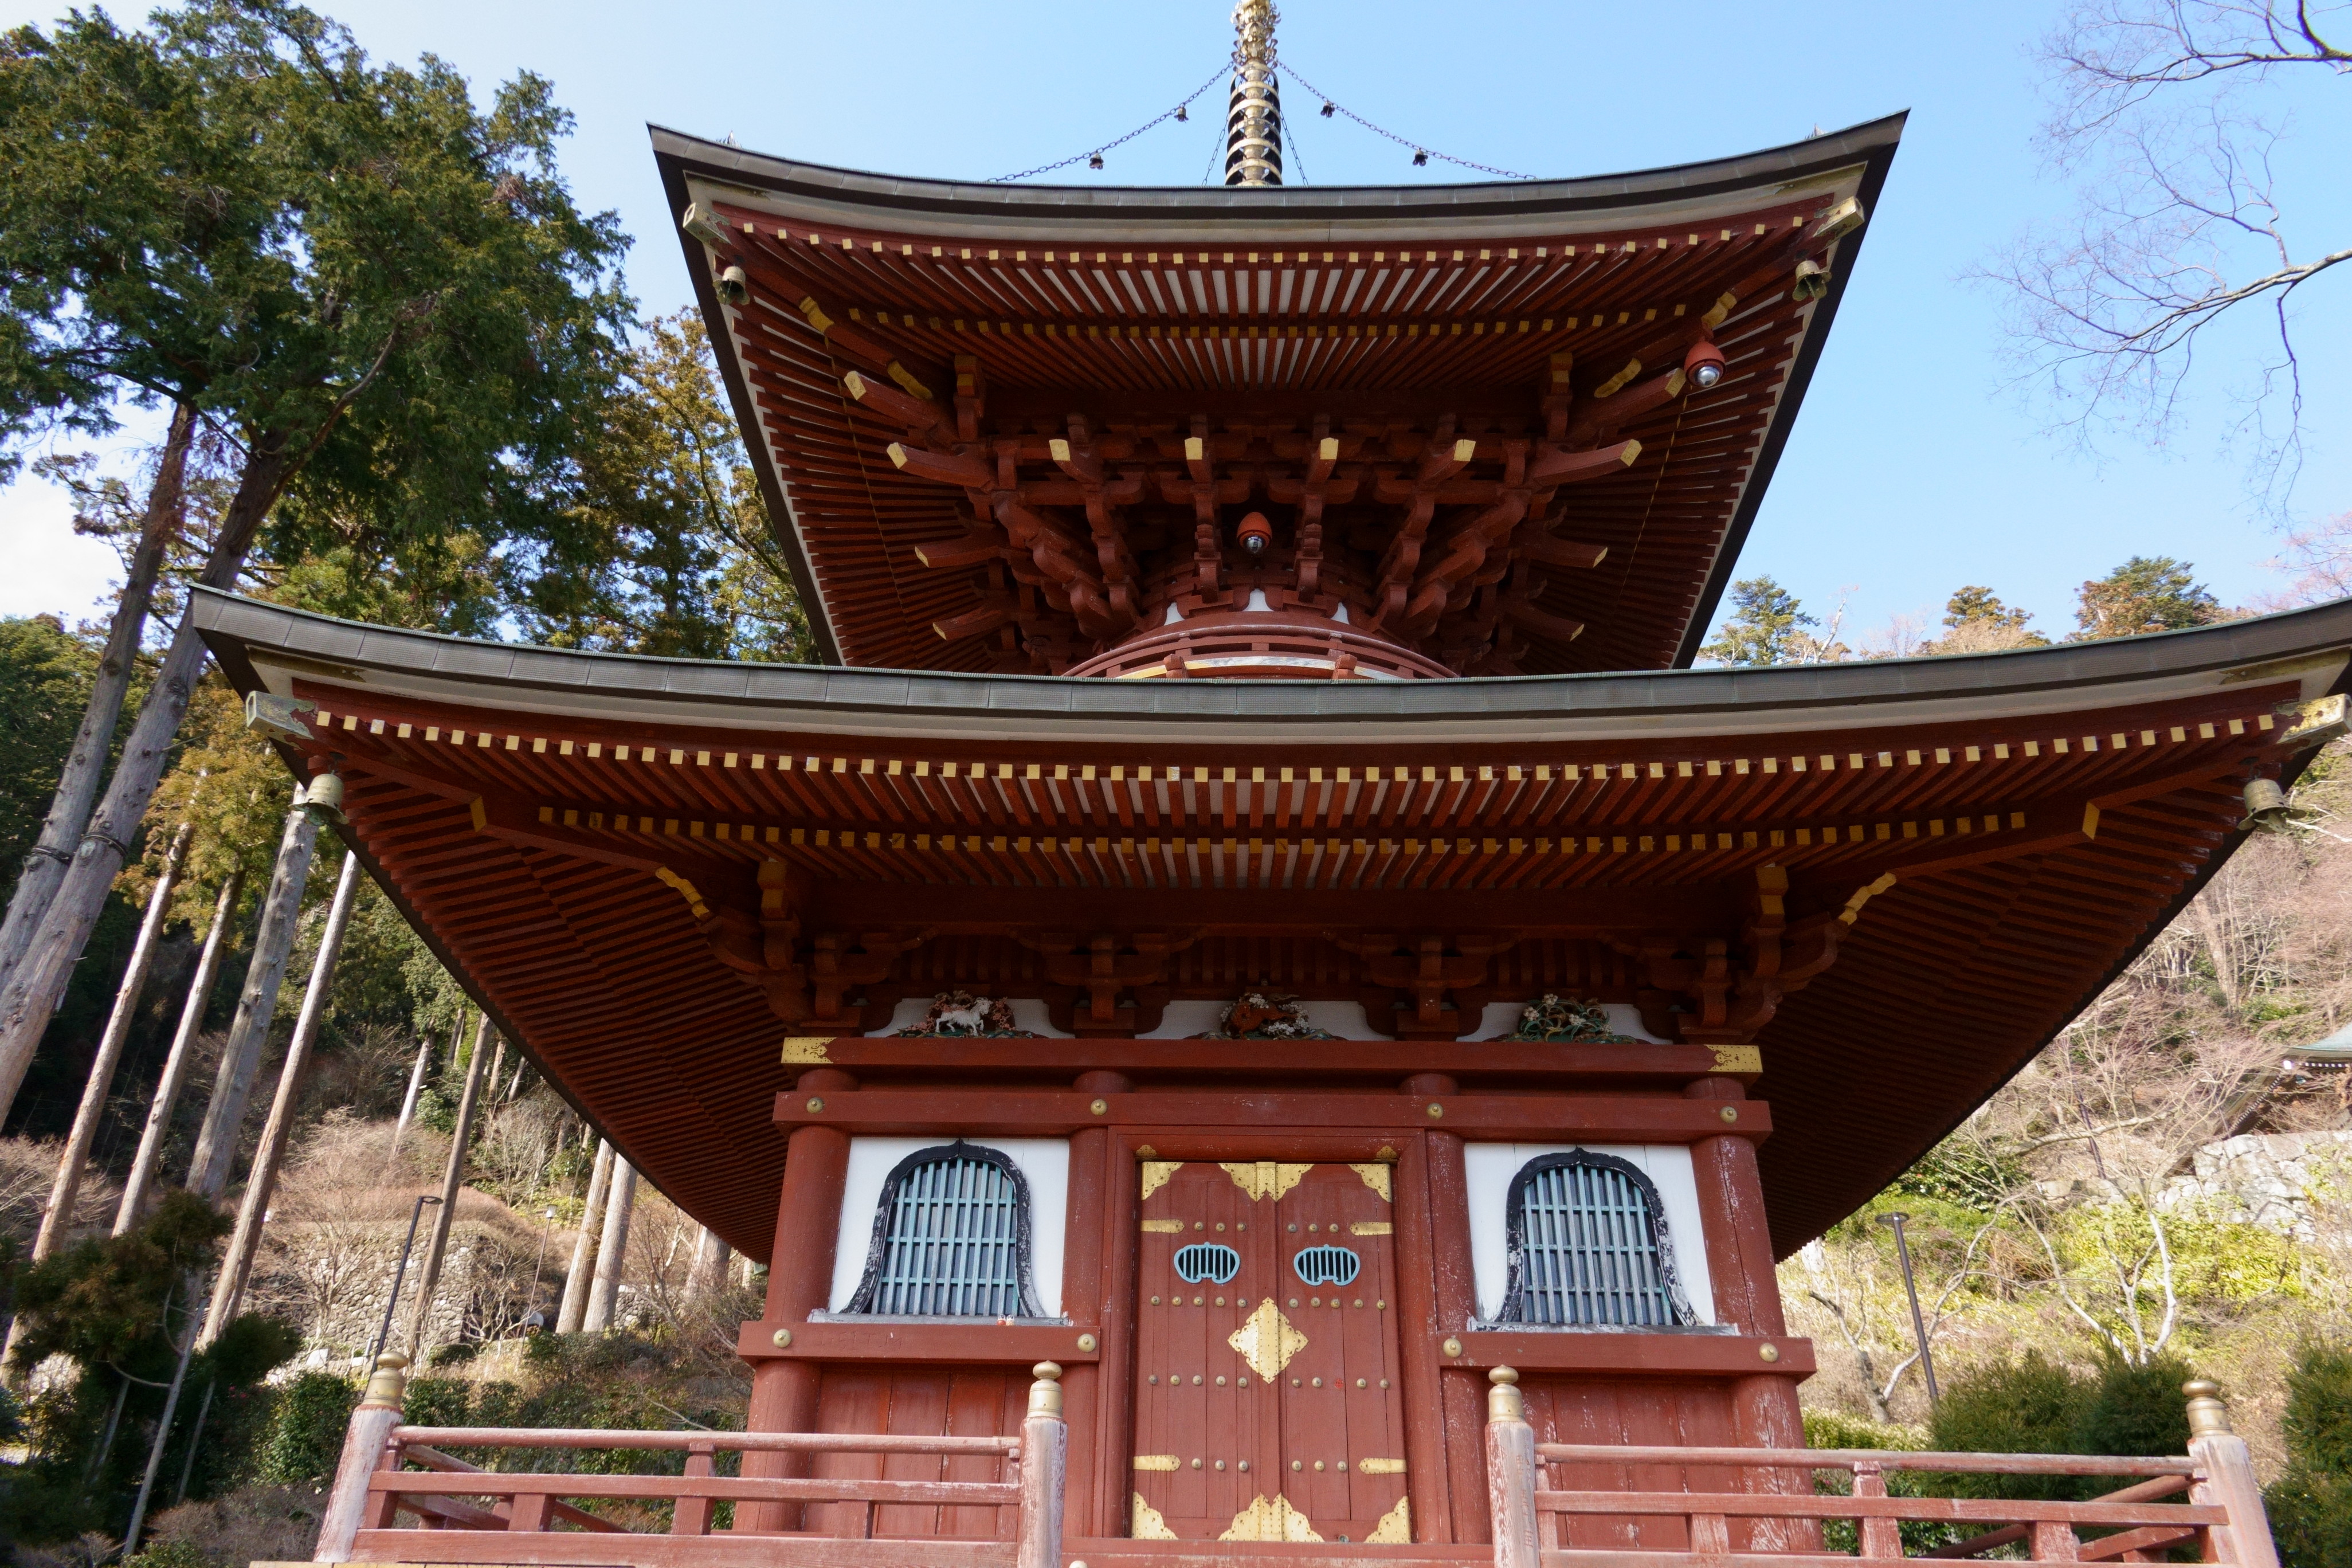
{"x": 1417, "y": 975}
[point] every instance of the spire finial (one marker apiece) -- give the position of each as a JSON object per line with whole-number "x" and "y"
{"x": 1253, "y": 110}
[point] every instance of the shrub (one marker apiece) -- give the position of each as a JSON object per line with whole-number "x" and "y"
{"x": 2134, "y": 1410}
{"x": 305, "y": 1440}
{"x": 2311, "y": 1506}
{"x": 437, "y": 1402}
{"x": 2030, "y": 1406}
{"x": 1835, "y": 1429}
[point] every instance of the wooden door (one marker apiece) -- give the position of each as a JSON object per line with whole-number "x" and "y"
{"x": 1267, "y": 1400}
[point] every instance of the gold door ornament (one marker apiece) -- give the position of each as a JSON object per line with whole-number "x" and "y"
{"x": 1267, "y": 1341}
{"x": 1270, "y": 1519}
{"x": 1145, "y": 1524}
{"x": 1264, "y": 1178}
{"x": 1395, "y": 1528}
{"x": 1379, "y": 1178}
{"x": 1156, "y": 1173}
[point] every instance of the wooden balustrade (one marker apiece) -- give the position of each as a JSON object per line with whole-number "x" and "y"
{"x": 2223, "y": 1516}
{"x": 477, "y": 1515}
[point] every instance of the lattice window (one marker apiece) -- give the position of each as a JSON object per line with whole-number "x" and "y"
{"x": 1589, "y": 1247}
{"x": 951, "y": 1239}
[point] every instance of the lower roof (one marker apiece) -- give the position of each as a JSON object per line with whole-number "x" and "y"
{"x": 2009, "y": 830}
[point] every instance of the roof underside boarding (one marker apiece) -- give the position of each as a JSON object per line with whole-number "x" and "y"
{"x": 1396, "y": 322}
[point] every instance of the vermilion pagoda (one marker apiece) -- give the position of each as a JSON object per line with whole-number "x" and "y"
{"x": 1257, "y": 913}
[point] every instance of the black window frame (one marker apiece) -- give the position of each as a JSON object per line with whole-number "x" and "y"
{"x": 869, "y": 1283}
{"x": 1662, "y": 1241}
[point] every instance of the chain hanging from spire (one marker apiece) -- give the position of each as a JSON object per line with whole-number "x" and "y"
{"x": 1254, "y": 111}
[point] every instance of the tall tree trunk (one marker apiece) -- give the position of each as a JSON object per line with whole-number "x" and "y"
{"x": 175, "y": 1066}
{"x": 68, "y": 1187}
{"x": 578, "y": 1280}
{"x": 416, "y": 1084}
{"x": 273, "y": 945}
{"x": 709, "y": 1269}
{"x": 228, "y": 1286}
{"x": 498, "y": 1065}
{"x": 31, "y": 991}
{"x": 613, "y": 1250}
{"x": 85, "y": 769}
{"x": 429, "y": 1279}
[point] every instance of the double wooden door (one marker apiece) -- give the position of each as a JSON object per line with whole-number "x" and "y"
{"x": 1267, "y": 1399}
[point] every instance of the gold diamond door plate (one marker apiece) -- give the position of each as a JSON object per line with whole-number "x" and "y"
{"x": 1267, "y": 1402}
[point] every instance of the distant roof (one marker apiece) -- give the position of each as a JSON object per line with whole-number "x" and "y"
{"x": 1396, "y": 308}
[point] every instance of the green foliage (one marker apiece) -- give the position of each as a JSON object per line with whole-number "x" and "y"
{"x": 1965, "y": 1172}
{"x": 2032, "y": 1405}
{"x": 385, "y": 292}
{"x": 251, "y": 1347}
{"x": 2135, "y": 1407}
{"x": 2311, "y": 1505}
{"x": 2146, "y": 594}
{"x": 118, "y": 1306}
{"x": 171, "y": 1554}
{"x": 1765, "y": 620}
{"x": 686, "y": 563}
{"x": 1835, "y": 1429}
{"x": 2318, "y": 1424}
{"x": 305, "y": 1440}
{"x": 46, "y": 677}
{"x": 101, "y": 1300}
{"x": 2025, "y": 1407}
{"x": 1980, "y": 606}
{"x": 437, "y": 1402}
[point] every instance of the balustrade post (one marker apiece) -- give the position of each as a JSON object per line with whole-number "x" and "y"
{"x": 1044, "y": 1454}
{"x": 1511, "y": 1473}
{"x": 367, "y": 1443}
{"x": 2225, "y": 1480}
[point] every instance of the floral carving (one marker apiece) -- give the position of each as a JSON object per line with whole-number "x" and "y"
{"x": 1564, "y": 1020}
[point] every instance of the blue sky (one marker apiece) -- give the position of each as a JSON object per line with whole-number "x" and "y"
{"x": 1913, "y": 468}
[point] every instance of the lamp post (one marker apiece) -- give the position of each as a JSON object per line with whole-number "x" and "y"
{"x": 1911, "y": 1286}
{"x": 392, "y": 1301}
{"x": 540, "y": 1267}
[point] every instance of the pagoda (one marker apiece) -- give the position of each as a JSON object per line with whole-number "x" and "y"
{"x": 1256, "y": 910}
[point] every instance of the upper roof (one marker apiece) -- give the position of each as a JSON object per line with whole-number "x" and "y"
{"x": 1395, "y": 315}
{"x": 2007, "y": 831}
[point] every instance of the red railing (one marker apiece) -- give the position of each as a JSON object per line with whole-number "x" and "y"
{"x": 1778, "y": 1517}
{"x": 476, "y": 1515}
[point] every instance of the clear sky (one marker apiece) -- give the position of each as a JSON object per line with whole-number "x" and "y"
{"x": 1913, "y": 469}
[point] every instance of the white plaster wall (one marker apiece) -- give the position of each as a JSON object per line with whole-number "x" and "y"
{"x": 1491, "y": 1166}
{"x": 1043, "y": 1162}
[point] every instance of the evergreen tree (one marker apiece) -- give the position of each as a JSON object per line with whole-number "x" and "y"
{"x": 1976, "y": 621}
{"x": 2146, "y": 594}
{"x": 384, "y": 293}
{"x": 681, "y": 560}
{"x": 1766, "y": 625}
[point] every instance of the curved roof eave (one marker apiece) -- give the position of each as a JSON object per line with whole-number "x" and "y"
{"x": 266, "y": 646}
{"x": 1857, "y": 157}
{"x": 1286, "y": 213}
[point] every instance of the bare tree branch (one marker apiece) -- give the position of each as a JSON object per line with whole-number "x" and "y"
{"x": 2182, "y": 224}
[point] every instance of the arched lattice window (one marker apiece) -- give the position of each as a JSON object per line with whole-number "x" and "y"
{"x": 950, "y": 1238}
{"x": 1589, "y": 1247}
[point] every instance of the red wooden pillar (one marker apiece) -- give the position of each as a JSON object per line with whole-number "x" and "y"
{"x": 800, "y": 1280}
{"x": 1445, "y": 1414}
{"x": 1085, "y": 1291}
{"x": 1764, "y": 1411}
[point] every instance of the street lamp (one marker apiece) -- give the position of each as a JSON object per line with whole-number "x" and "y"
{"x": 1911, "y": 1286}
{"x": 393, "y": 1301}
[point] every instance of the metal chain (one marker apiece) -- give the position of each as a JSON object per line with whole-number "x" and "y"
{"x": 1291, "y": 71}
{"x": 1169, "y": 114}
